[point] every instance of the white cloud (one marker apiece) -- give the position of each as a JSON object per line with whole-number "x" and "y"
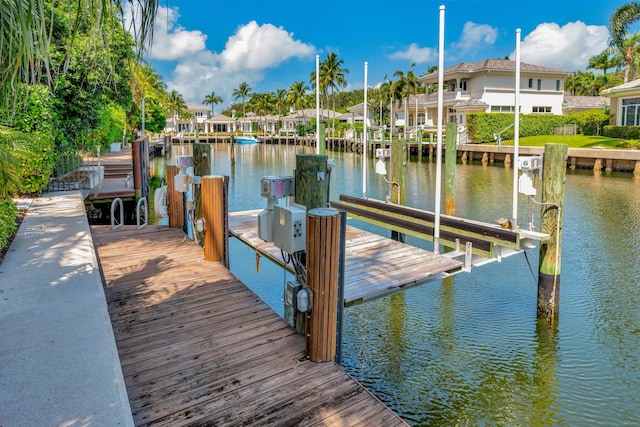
{"x": 247, "y": 55}
{"x": 475, "y": 36}
{"x": 568, "y": 47}
{"x": 257, "y": 47}
{"x": 416, "y": 54}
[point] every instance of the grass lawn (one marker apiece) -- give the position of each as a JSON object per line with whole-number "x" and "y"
{"x": 577, "y": 141}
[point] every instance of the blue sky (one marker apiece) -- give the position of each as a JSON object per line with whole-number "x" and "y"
{"x": 214, "y": 45}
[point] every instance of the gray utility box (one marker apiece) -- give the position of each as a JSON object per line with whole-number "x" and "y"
{"x": 290, "y": 227}
{"x": 290, "y": 302}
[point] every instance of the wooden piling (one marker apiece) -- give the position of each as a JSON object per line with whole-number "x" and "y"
{"x": 399, "y": 179}
{"x": 323, "y": 250}
{"x": 554, "y": 172}
{"x": 233, "y": 150}
{"x": 201, "y": 167}
{"x": 215, "y": 211}
{"x": 175, "y": 198}
{"x": 322, "y": 147}
{"x": 450, "y": 157}
{"x": 311, "y": 180}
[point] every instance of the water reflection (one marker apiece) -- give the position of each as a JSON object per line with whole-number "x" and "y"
{"x": 468, "y": 350}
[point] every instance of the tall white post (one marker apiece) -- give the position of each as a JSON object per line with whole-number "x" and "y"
{"x": 317, "y": 104}
{"x": 436, "y": 230}
{"x": 516, "y": 136}
{"x": 364, "y": 138}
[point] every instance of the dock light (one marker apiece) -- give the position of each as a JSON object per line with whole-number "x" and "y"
{"x": 304, "y": 300}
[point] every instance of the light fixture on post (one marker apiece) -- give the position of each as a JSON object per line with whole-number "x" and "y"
{"x": 381, "y": 167}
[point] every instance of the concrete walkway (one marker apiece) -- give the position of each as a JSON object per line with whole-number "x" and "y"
{"x": 59, "y": 365}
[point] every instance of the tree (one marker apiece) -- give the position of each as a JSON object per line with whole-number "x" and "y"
{"x": 620, "y": 20}
{"x": 27, "y": 35}
{"x": 175, "y": 106}
{"x": 297, "y": 93}
{"x": 212, "y": 99}
{"x": 242, "y": 92}
{"x": 332, "y": 76}
{"x": 407, "y": 84}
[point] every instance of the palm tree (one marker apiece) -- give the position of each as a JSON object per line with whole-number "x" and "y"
{"x": 620, "y": 20}
{"x": 406, "y": 85}
{"x": 212, "y": 99}
{"x": 332, "y": 76}
{"x": 297, "y": 93}
{"x": 262, "y": 103}
{"x": 175, "y": 106}
{"x": 25, "y": 35}
{"x": 242, "y": 92}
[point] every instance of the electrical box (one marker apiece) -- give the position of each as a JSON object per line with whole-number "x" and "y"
{"x": 265, "y": 225}
{"x": 290, "y": 228}
{"x": 184, "y": 161}
{"x": 291, "y": 302}
{"x": 275, "y": 187}
{"x": 529, "y": 163}
{"x": 382, "y": 153}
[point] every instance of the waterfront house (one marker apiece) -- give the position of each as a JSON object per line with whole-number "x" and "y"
{"x": 303, "y": 117}
{"x": 625, "y": 103}
{"x": 489, "y": 86}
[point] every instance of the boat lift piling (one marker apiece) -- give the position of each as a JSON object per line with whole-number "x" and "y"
{"x": 553, "y": 180}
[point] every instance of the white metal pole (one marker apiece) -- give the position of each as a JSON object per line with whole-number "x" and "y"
{"x": 436, "y": 230}
{"x": 364, "y": 139}
{"x": 317, "y": 104}
{"x": 516, "y": 136}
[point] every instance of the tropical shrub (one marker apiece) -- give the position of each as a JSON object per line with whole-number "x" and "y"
{"x": 623, "y": 132}
{"x": 8, "y": 212}
{"x": 484, "y": 127}
{"x": 590, "y": 122}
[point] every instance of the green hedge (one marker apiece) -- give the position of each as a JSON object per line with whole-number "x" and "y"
{"x": 623, "y": 132}
{"x": 8, "y": 212}
{"x": 484, "y": 127}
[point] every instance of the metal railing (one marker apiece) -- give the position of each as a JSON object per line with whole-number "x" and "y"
{"x": 76, "y": 168}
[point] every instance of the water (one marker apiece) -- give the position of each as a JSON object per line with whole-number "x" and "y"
{"x": 468, "y": 350}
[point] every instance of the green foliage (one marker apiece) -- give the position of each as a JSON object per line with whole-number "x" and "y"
{"x": 590, "y": 122}
{"x": 8, "y": 213}
{"x": 36, "y": 157}
{"x": 484, "y": 127}
{"x": 36, "y": 112}
{"x": 623, "y": 132}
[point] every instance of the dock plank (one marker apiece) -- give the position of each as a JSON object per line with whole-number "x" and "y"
{"x": 198, "y": 347}
{"x": 375, "y": 265}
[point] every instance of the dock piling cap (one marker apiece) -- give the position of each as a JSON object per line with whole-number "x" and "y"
{"x": 324, "y": 212}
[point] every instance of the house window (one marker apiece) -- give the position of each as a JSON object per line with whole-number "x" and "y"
{"x": 503, "y": 108}
{"x": 631, "y": 112}
{"x": 541, "y": 110}
{"x": 557, "y": 85}
{"x": 452, "y": 87}
{"x": 463, "y": 85}
{"x": 410, "y": 119}
{"x": 199, "y": 114}
{"x": 421, "y": 119}
{"x": 530, "y": 83}
{"x": 539, "y": 84}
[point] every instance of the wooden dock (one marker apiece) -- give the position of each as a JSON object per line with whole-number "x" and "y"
{"x": 375, "y": 266}
{"x": 197, "y": 347}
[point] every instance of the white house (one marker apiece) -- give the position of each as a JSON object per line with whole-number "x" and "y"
{"x": 625, "y": 103}
{"x": 489, "y": 86}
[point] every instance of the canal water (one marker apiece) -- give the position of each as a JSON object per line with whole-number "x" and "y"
{"x": 468, "y": 350}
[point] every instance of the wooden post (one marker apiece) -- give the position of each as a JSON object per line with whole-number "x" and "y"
{"x": 399, "y": 179}
{"x": 176, "y": 200}
{"x": 321, "y": 138}
{"x": 323, "y": 250}
{"x": 450, "y": 156}
{"x": 553, "y": 176}
{"x": 311, "y": 180}
{"x": 419, "y": 136}
{"x": 201, "y": 167}
{"x": 215, "y": 211}
{"x": 233, "y": 150}
{"x": 140, "y": 163}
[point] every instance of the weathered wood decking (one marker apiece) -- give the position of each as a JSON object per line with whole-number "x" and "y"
{"x": 374, "y": 265}
{"x": 197, "y": 347}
